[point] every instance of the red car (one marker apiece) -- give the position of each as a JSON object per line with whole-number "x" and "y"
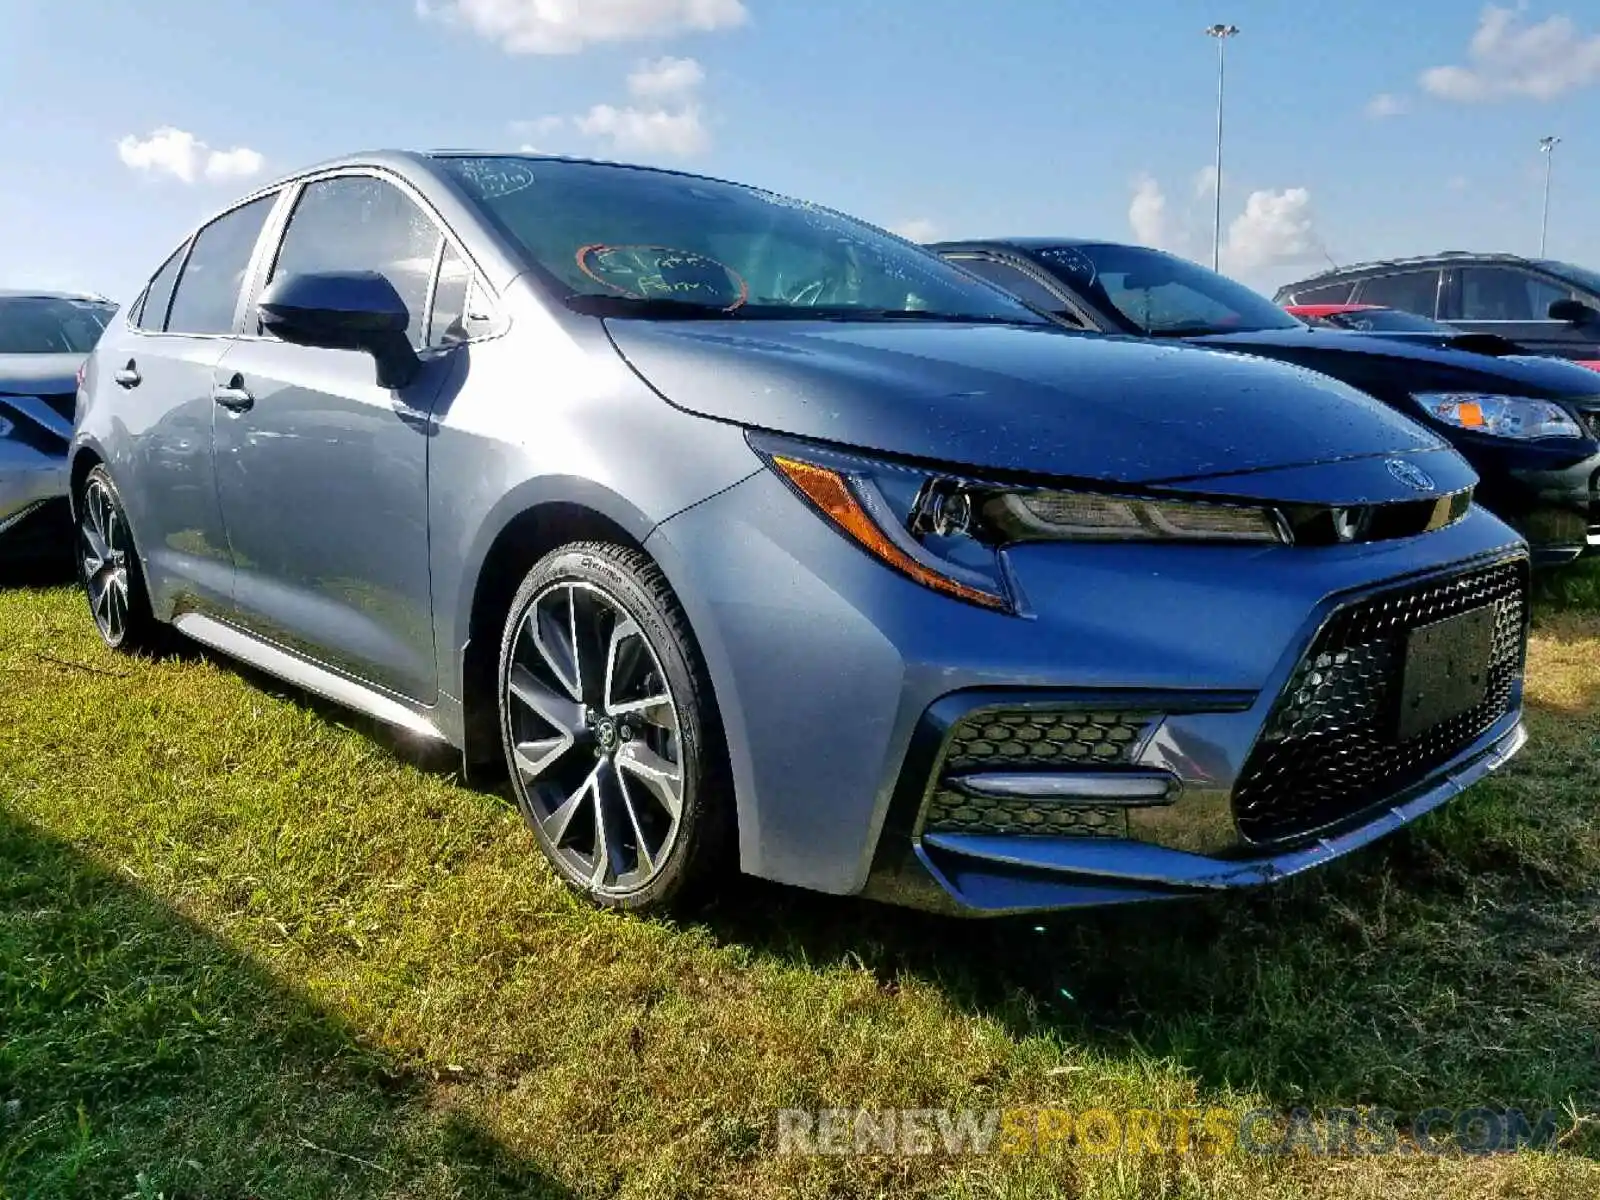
{"x": 1375, "y": 318}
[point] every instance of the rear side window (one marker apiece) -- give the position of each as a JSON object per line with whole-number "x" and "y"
{"x": 1410, "y": 291}
{"x": 158, "y": 296}
{"x": 360, "y": 223}
{"x": 208, "y": 290}
{"x": 1328, "y": 293}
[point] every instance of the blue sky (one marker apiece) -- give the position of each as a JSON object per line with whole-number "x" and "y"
{"x": 123, "y": 125}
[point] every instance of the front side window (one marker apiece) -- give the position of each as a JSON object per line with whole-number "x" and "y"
{"x": 1506, "y": 294}
{"x": 655, "y": 244}
{"x": 1161, "y": 295}
{"x": 1410, "y": 291}
{"x": 208, "y": 289}
{"x": 447, "y": 323}
{"x": 362, "y": 223}
{"x": 158, "y": 296}
{"x": 51, "y": 325}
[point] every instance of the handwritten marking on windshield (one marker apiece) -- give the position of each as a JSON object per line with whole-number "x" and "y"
{"x": 664, "y": 272}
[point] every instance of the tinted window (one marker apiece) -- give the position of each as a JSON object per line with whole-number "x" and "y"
{"x": 50, "y": 325}
{"x": 359, "y": 223}
{"x": 158, "y": 296}
{"x": 1016, "y": 281}
{"x": 1386, "y": 320}
{"x": 1506, "y": 294}
{"x": 610, "y": 236}
{"x": 1328, "y": 293}
{"x": 447, "y": 324}
{"x": 1410, "y": 291}
{"x": 1160, "y": 294}
{"x": 208, "y": 291}
{"x": 1584, "y": 278}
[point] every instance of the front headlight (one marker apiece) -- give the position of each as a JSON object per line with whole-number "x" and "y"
{"x": 945, "y": 531}
{"x": 1502, "y": 416}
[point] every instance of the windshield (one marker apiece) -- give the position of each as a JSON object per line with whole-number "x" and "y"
{"x": 1162, "y": 295}
{"x": 1385, "y": 320}
{"x": 50, "y": 325}
{"x": 651, "y": 243}
{"x": 1588, "y": 280}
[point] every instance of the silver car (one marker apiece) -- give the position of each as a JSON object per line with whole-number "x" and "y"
{"x": 744, "y": 534}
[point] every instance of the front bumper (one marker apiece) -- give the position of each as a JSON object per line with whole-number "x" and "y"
{"x": 837, "y": 681}
{"x": 1556, "y": 508}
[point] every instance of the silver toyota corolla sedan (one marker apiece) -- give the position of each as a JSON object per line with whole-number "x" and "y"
{"x": 744, "y": 534}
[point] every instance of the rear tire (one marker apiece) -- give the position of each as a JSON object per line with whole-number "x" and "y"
{"x": 109, "y": 568}
{"x": 610, "y": 731}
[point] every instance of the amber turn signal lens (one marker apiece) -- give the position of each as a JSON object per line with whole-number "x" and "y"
{"x": 829, "y": 492}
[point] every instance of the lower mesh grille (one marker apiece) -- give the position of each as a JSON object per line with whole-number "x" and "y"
{"x": 1330, "y": 749}
{"x": 1031, "y": 739}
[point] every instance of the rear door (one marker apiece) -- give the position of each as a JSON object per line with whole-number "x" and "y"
{"x": 1515, "y": 303}
{"x": 160, "y": 372}
{"x": 323, "y": 474}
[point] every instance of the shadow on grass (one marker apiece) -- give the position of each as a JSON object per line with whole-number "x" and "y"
{"x": 143, "y": 1057}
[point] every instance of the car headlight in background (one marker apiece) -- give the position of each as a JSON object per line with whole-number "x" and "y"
{"x": 1501, "y": 416}
{"x": 944, "y": 531}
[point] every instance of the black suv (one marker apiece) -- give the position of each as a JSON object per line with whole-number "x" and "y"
{"x": 1545, "y": 306}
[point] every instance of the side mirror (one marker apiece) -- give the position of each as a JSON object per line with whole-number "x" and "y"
{"x": 1572, "y": 312}
{"x": 344, "y": 310}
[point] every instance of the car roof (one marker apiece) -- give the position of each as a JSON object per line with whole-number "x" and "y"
{"x": 1025, "y": 244}
{"x": 49, "y": 294}
{"x": 1380, "y": 265}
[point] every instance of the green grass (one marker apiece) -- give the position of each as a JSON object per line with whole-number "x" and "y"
{"x": 251, "y": 949}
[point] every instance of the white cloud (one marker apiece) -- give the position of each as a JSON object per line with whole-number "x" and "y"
{"x": 666, "y": 118}
{"x": 567, "y": 26}
{"x": 1508, "y": 58}
{"x": 1275, "y": 228}
{"x": 679, "y": 134}
{"x": 239, "y": 163}
{"x": 177, "y": 152}
{"x": 1147, "y": 214}
{"x": 916, "y": 229}
{"x": 1205, "y": 182}
{"x": 1384, "y": 105}
{"x": 666, "y": 79}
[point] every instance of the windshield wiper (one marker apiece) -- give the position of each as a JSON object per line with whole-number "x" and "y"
{"x": 650, "y": 307}
{"x": 846, "y": 312}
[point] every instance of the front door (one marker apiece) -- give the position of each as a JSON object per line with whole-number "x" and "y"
{"x": 1516, "y": 304}
{"x": 322, "y": 474}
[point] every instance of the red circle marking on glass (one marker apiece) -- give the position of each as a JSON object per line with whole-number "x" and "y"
{"x": 585, "y": 253}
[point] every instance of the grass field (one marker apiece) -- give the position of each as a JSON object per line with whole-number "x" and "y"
{"x": 249, "y": 948}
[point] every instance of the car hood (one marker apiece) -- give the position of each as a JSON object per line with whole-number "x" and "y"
{"x": 1014, "y": 398}
{"x": 1485, "y": 356}
{"x": 39, "y": 374}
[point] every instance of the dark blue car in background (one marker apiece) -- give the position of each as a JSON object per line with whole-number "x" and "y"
{"x": 1527, "y": 424}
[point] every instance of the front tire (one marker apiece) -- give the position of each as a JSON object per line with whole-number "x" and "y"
{"x": 108, "y": 566}
{"x": 610, "y": 732}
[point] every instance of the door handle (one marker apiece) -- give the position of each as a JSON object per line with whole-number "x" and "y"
{"x": 129, "y": 376}
{"x": 234, "y": 397}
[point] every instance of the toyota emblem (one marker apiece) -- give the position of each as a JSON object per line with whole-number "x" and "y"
{"x": 1413, "y": 477}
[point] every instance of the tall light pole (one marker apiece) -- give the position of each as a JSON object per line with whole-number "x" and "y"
{"x": 1222, "y": 33}
{"x": 1547, "y": 147}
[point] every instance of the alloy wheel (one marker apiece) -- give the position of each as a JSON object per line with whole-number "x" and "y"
{"x": 595, "y": 738}
{"x": 105, "y": 548}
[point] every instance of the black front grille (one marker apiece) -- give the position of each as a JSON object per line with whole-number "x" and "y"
{"x": 1032, "y": 739}
{"x": 1330, "y": 750}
